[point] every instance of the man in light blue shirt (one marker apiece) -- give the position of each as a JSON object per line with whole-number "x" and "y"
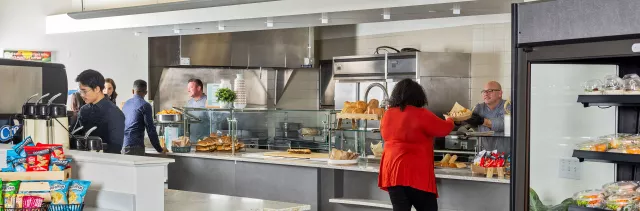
{"x": 198, "y": 100}
{"x": 489, "y": 116}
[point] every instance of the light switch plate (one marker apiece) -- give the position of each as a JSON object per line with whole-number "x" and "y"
{"x": 185, "y": 61}
{"x": 570, "y": 168}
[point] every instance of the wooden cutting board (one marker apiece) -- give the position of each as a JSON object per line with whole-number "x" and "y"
{"x": 290, "y": 155}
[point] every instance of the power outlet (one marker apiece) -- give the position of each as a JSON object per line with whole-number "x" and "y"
{"x": 570, "y": 168}
{"x": 185, "y": 61}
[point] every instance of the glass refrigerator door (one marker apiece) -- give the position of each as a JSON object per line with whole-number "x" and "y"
{"x": 558, "y": 123}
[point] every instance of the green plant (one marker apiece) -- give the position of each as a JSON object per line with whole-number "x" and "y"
{"x": 225, "y": 95}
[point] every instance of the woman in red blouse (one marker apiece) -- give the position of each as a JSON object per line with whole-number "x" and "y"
{"x": 406, "y": 169}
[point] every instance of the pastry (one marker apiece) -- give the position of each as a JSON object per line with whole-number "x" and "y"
{"x": 446, "y": 158}
{"x": 373, "y": 103}
{"x": 453, "y": 159}
{"x": 461, "y": 165}
{"x": 359, "y": 110}
{"x": 299, "y": 151}
{"x": 361, "y": 105}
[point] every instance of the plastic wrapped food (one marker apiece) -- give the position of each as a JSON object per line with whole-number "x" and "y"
{"x": 613, "y": 85}
{"x": 632, "y": 86}
{"x": 634, "y": 149}
{"x": 598, "y": 146}
{"x": 590, "y": 198}
{"x": 621, "y": 187}
{"x": 593, "y": 87}
{"x": 622, "y": 202}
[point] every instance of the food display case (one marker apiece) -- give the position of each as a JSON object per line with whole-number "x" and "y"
{"x": 279, "y": 129}
{"x": 576, "y": 116}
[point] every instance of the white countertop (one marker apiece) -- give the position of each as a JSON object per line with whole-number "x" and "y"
{"x": 256, "y": 156}
{"x": 185, "y": 200}
{"x": 108, "y": 158}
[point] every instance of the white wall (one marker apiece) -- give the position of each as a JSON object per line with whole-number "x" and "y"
{"x": 116, "y": 54}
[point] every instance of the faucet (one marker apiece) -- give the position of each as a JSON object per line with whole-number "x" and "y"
{"x": 383, "y": 102}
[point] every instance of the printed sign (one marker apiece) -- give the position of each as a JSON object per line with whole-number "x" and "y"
{"x": 37, "y": 56}
{"x": 7, "y": 132}
{"x": 212, "y": 100}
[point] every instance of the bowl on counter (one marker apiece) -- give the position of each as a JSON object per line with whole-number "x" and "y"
{"x": 167, "y": 118}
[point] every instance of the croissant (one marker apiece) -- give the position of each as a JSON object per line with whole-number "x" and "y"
{"x": 373, "y": 103}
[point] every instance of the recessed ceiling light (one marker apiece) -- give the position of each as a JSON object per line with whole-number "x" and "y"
{"x": 456, "y": 9}
{"x": 177, "y": 31}
{"x": 432, "y": 11}
{"x": 269, "y": 22}
{"x": 136, "y": 33}
{"x": 324, "y": 18}
{"x": 220, "y": 25}
{"x": 386, "y": 14}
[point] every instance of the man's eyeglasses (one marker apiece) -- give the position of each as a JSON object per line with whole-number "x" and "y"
{"x": 488, "y": 91}
{"x": 84, "y": 92}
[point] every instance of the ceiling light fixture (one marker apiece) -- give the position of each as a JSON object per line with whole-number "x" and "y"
{"x": 177, "y": 31}
{"x": 456, "y": 9}
{"x": 137, "y": 34}
{"x": 269, "y": 22}
{"x": 220, "y": 25}
{"x": 324, "y": 18}
{"x": 386, "y": 14}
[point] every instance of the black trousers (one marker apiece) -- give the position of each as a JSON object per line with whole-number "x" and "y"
{"x": 403, "y": 198}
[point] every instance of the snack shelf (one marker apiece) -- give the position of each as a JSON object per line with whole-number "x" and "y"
{"x": 578, "y": 208}
{"x": 605, "y": 157}
{"x": 609, "y": 100}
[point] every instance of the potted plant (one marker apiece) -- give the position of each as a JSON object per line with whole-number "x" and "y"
{"x": 225, "y": 97}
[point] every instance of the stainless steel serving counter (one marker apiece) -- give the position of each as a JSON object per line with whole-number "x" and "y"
{"x": 322, "y": 186}
{"x": 257, "y": 156}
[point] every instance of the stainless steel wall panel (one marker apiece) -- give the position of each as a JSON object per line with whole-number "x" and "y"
{"x": 207, "y": 49}
{"x": 444, "y": 64}
{"x": 443, "y": 92}
{"x": 345, "y": 91}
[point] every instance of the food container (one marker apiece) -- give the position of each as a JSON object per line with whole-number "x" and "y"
{"x": 613, "y": 85}
{"x": 621, "y": 187}
{"x": 596, "y": 145}
{"x": 633, "y": 149}
{"x": 590, "y": 198}
{"x": 622, "y": 202}
{"x": 593, "y": 87}
{"x": 631, "y": 84}
{"x": 168, "y": 118}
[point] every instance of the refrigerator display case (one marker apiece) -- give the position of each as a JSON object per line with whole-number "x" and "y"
{"x": 560, "y": 124}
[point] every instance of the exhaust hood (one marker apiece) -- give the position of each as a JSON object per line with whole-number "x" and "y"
{"x": 282, "y": 48}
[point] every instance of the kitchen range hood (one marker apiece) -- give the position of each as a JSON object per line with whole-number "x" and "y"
{"x": 283, "y": 50}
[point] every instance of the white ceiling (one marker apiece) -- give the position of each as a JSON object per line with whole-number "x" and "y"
{"x": 290, "y": 14}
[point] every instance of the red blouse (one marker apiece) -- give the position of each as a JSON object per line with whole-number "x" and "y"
{"x": 407, "y": 159}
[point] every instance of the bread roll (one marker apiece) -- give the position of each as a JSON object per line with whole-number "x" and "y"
{"x": 452, "y": 165}
{"x": 461, "y": 165}
{"x": 347, "y": 104}
{"x": 359, "y": 110}
{"x": 453, "y": 159}
{"x": 373, "y": 103}
{"x": 446, "y": 158}
{"x": 361, "y": 105}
